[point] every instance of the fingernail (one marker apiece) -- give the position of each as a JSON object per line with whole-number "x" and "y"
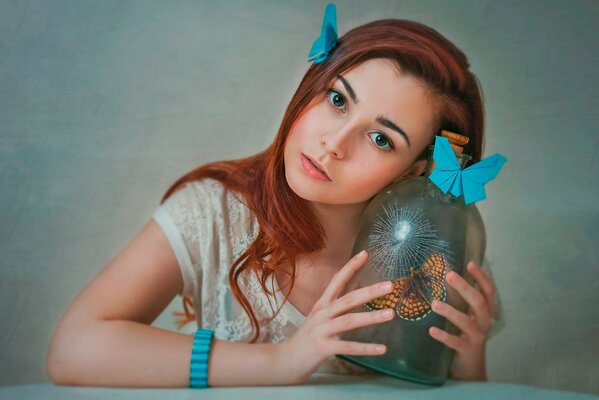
{"x": 387, "y": 313}
{"x": 362, "y": 254}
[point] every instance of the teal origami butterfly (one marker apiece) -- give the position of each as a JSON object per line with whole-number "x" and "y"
{"x": 328, "y": 36}
{"x": 449, "y": 176}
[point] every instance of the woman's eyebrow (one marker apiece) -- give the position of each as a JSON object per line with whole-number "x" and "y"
{"x": 381, "y": 118}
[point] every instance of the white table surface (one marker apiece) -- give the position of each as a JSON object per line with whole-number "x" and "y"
{"x": 320, "y": 385}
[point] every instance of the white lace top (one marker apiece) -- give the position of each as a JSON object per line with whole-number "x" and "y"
{"x": 208, "y": 228}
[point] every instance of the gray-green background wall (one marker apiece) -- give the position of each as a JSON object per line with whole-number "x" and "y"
{"x": 103, "y": 104}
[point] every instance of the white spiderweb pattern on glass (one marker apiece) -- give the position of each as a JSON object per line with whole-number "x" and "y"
{"x": 402, "y": 238}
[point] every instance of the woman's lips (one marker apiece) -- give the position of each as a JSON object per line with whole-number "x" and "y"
{"x": 312, "y": 170}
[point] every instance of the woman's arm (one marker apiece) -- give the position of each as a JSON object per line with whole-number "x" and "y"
{"x": 132, "y": 354}
{"x": 104, "y": 337}
{"x": 470, "y": 368}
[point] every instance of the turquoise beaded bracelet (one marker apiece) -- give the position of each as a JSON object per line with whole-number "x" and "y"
{"x": 198, "y": 370}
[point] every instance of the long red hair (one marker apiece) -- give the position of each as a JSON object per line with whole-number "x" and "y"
{"x": 417, "y": 50}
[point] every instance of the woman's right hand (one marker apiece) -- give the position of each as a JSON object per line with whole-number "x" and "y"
{"x": 318, "y": 337}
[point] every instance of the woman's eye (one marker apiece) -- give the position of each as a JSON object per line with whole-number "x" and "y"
{"x": 336, "y": 98}
{"x": 380, "y": 139}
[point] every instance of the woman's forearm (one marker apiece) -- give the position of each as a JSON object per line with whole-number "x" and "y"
{"x": 120, "y": 353}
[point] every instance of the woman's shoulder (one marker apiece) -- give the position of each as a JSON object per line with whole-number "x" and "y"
{"x": 206, "y": 187}
{"x": 225, "y": 206}
{"x": 217, "y": 193}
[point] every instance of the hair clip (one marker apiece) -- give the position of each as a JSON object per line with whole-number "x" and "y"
{"x": 328, "y": 36}
{"x": 449, "y": 176}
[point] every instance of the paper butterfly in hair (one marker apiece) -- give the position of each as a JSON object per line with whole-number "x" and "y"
{"x": 449, "y": 176}
{"x": 413, "y": 294}
{"x": 328, "y": 36}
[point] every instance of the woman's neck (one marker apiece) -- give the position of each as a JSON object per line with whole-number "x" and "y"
{"x": 341, "y": 224}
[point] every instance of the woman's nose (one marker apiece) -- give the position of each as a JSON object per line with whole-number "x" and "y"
{"x": 336, "y": 143}
{"x": 330, "y": 147}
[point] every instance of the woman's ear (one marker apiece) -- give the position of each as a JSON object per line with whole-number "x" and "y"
{"x": 415, "y": 169}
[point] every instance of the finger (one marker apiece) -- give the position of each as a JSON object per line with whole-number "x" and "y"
{"x": 356, "y": 298}
{"x": 356, "y": 348}
{"x": 350, "y": 321}
{"x": 485, "y": 283}
{"x": 341, "y": 277}
{"x": 452, "y": 341}
{"x": 476, "y": 300}
{"x": 462, "y": 321}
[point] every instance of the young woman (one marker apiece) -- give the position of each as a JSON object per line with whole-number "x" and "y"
{"x": 259, "y": 247}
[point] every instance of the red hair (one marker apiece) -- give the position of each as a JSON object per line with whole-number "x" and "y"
{"x": 418, "y": 51}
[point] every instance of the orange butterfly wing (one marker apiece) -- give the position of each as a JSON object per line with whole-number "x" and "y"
{"x": 433, "y": 274}
{"x": 400, "y": 286}
{"x": 412, "y": 295}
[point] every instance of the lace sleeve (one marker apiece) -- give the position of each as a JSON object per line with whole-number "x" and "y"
{"x": 176, "y": 218}
{"x": 498, "y": 317}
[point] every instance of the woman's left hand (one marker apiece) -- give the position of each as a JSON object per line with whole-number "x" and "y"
{"x": 469, "y": 359}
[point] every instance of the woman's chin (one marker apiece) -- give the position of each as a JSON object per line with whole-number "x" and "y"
{"x": 305, "y": 189}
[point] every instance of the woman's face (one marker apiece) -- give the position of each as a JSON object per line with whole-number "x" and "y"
{"x": 360, "y": 152}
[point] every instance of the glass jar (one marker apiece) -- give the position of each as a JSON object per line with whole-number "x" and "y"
{"x": 414, "y": 234}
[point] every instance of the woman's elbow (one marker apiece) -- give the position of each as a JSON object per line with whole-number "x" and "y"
{"x": 58, "y": 364}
